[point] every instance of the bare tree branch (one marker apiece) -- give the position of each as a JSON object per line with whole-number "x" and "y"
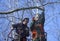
{"x": 50, "y": 3}
{"x": 18, "y": 9}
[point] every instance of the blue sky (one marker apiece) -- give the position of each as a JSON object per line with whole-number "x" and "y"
{"x": 52, "y": 17}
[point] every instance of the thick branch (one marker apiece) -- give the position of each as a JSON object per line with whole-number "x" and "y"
{"x": 15, "y": 10}
{"x": 18, "y": 9}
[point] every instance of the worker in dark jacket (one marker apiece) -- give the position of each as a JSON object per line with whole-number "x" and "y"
{"x": 25, "y": 30}
{"x": 22, "y": 29}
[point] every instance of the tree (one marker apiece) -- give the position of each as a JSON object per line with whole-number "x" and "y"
{"x": 15, "y": 11}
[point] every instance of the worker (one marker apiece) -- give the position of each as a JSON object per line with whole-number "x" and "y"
{"x": 22, "y": 29}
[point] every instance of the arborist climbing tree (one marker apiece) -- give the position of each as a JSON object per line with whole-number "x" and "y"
{"x": 22, "y": 30}
{"x": 37, "y": 27}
